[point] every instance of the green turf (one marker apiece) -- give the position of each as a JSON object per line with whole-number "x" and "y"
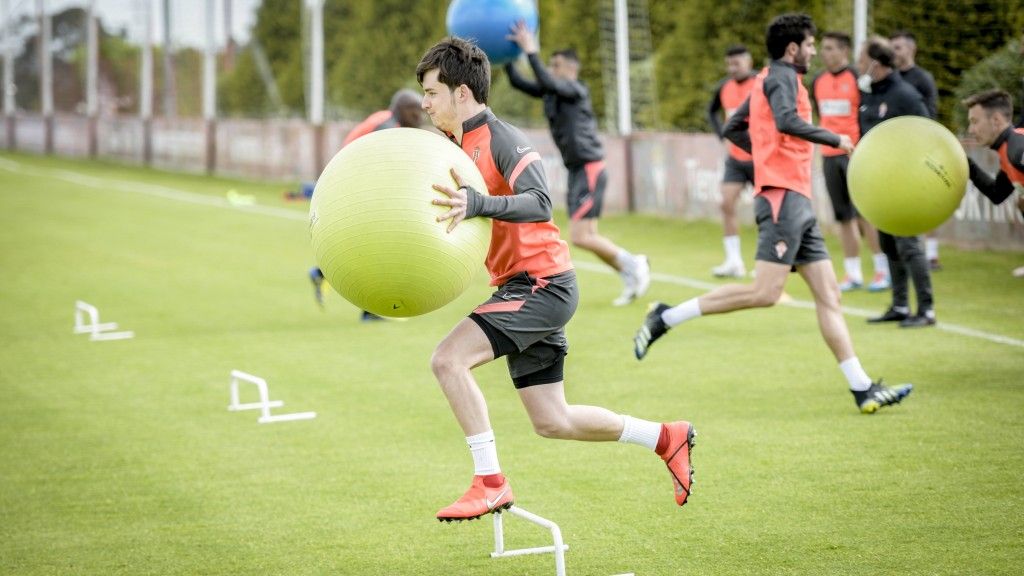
{"x": 121, "y": 458}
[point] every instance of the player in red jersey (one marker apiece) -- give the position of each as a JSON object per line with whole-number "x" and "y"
{"x": 774, "y": 124}
{"x": 536, "y": 292}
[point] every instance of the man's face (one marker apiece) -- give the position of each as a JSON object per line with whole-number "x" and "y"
{"x": 738, "y": 66}
{"x": 805, "y": 52}
{"x": 833, "y": 54}
{"x": 903, "y": 51}
{"x": 983, "y": 125}
{"x": 562, "y": 68}
{"x": 439, "y": 102}
{"x": 410, "y": 115}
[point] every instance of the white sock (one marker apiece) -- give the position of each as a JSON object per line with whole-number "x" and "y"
{"x": 640, "y": 432}
{"x": 732, "y": 249}
{"x": 931, "y": 248}
{"x": 686, "y": 311}
{"x": 625, "y": 260}
{"x": 853, "y": 272}
{"x": 881, "y": 263}
{"x": 485, "y": 453}
{"x": 855, "y": 374}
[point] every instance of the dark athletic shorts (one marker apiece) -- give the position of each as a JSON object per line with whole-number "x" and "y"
{"x": 738, "y": 171}
{"x": 525, "y": 320}
{"x": 834, "y": 168}
{"x": 586, "y": 190}
{"x": 789, "y": 234}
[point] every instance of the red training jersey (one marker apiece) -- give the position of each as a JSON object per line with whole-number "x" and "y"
{"x": 780, "y": 160}
{"x": 510, "y": 165}
{"x": 732, "y": 94}
{"x": 838, "y": 101}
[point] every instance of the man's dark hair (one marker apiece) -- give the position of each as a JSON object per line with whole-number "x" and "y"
{"x": 458, "y": 62}
{"x": 992, "y": 101}
{"x": 568, "y": 54}
{"x": 736, "y": 50}
{"x": 903, "y": 34}
{"x": 785, "y": 29}
{"x": 880, "y": 51}
{"x": 842, "y": 38}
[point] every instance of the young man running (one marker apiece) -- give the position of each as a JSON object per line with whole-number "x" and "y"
{"x": 780, "y": 137}
{"x": 536, "y": 291}
{"x": 574, "y": 130}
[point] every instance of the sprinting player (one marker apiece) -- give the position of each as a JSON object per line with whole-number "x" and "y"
{"x": 774, "y": 124}
{"x": 835, "y": 92}
{"x": 536, "y": 291}
{"x": 404, "y": 111}
{"x": 574, "y": 130}
{"x": 889, "y": 97}
{"x": 904, "y": 46}
{"x": 739, "y": 166}
{"x": 988, "y": 117}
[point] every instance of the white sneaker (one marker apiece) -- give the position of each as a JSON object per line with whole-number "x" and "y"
{"x": 628, "y": 290}
{"x": 730, "y": 270}
{"x": 641, "y": 275}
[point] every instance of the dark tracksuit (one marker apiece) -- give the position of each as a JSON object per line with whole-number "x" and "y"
{"x": 923, "y": 81}
{"x": 568, "y": 110}
{"x": 889, "y": 98}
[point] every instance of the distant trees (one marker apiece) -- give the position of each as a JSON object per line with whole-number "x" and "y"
{"x": 371, "y": 49}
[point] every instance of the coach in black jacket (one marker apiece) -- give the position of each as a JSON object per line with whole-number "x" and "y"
{"x": 888, "y": 97}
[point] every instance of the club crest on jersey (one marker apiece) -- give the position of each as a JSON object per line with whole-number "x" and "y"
{"x": 780, "y": 249}
{"x": 882, "y": 110}
{"x": 476, "y": 154}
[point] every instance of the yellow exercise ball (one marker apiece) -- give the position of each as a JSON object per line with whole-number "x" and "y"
{"x": 375, "y": 233}
{"x": 907, "y": 175}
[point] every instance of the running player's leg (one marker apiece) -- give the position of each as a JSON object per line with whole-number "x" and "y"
{"x": 868, "y": 395}
{"x": 777, "y": 244}
{"x": 553, "y": 417}
{"x": 587, "y": 184}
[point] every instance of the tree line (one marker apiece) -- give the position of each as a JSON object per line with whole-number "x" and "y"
{"x": 371, "y": 49}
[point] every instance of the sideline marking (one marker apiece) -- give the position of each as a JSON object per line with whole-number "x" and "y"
{"x": 158, "y": 191}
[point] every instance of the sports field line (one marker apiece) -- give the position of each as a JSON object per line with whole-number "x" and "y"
{"x": 168, "y": 193}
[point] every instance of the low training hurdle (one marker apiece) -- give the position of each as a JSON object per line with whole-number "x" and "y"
{"x": 96, "y": 329}
{"x": 264, "y": 404}
{"x": 558, "y": 546}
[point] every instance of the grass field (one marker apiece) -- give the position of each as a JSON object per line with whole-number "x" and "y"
{"x": 121, "y": 458}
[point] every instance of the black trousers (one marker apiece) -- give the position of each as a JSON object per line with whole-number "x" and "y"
{"x": 907, "y": 261}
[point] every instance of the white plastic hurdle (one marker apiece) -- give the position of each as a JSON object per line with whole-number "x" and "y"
{"x": 265, "y": 403}
{"x": 558, "y": 548}
{"x": 97, "y": 330}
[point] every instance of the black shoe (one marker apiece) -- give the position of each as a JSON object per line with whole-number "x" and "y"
{"x": 890, "y": 315}
{"x": 879, "y": 396}
{"x": 920, "y": 320}
{"x": 370, "y": 317}
{"x": 653, "y": 328}
{"x": 934, "y": 265}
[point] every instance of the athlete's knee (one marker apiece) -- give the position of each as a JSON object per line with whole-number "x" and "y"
{"x": 553, "y": 427}
{"x": 445, "y": 361}
{"x": 765, "y": 296}
{"x": 581, "y": 238}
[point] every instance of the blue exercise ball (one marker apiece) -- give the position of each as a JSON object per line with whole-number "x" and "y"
{"x": 488, "y": 22}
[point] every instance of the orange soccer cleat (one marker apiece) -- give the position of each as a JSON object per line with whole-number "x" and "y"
{"x": 480, "y": 499}
{"x": 674, "y": 448}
